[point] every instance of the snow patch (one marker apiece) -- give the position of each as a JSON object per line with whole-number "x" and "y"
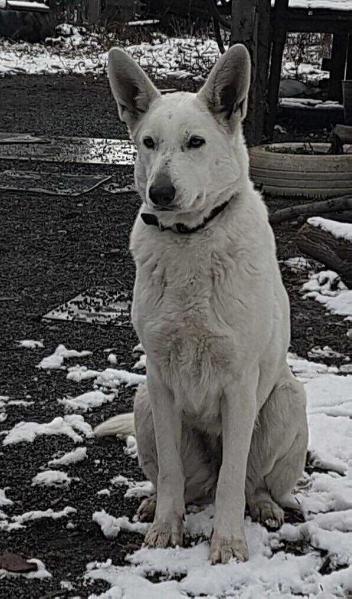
{"x": 111, "y": 378}
{"x": 51, "y": 478}
{"x": 87, "y": 401}
{"x": 56, "y": 360}
{"x": 30, "y": 344}
{"x": 28, "y": 431}
{"x": 327, "y": 288}
{"x": 72, "y": 457}
{"x": 337, "y": 229}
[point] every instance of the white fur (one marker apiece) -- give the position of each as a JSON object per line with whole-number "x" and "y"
{"x": 211, "y": 312}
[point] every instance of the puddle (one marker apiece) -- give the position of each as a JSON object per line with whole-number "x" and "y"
{"x": 98, "y": 305}
{"x": 81, "y": 150}
{"x": 62, "y": 184}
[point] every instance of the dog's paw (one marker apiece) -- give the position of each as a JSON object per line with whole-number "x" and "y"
{"x": 267, "y": 512}
{"x": 222, "y": 549}
{"x": 146, "y": 510}
{"x": 165, "y": 534}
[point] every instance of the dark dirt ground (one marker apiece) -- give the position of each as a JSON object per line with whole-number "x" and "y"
{"x": 50, "y": 249}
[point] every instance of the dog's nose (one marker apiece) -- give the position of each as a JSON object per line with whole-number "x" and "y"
{"x": 162, "y": 195}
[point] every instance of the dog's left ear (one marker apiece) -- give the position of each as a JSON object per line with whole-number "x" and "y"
{"x": 131, "y": 88}
{"x": 226, "y": 91}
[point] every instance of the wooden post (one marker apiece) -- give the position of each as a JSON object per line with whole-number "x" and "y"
{"x": 348, "y": 74}
{"x": 337, "y": 65}
{"x": 94, "y": 11}
{"x": 250, "y": 26}
{"x": 277, "y": 50}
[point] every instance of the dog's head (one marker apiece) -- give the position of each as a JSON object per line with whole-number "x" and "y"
{"x": 190, "y": 151}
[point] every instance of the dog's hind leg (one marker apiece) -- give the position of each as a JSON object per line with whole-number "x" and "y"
{"x": 199, "y": 457}
{"x": 278, "y": 452}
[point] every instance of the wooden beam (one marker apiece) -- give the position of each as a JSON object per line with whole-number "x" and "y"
{"x": 349, "y": 58}
{"x": 277, "y": 50}
{"x": 337, "y": 65}
{"x": 251, "y": 27}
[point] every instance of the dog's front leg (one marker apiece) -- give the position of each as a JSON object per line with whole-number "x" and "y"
{"x": 238, "y": 413}
{"x": 167, "y": 528}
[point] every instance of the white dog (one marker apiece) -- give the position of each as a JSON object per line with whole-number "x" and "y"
{"x": 221, "y": 415}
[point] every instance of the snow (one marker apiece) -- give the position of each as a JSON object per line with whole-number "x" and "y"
{"x": 112, "y": 359}
{"x": 298, "y": 264}
{"x": 56, "y": 360}
{"x": 18, "y": 522}
{"x": 272, "y": 572}
{"x": 28, "y": 431}
{"x": 111, "y": 378}
{"x": 337, "y": 229}
{"x": 31, "y": 344}
{"x": 71, "y": 457}
{"x": 77, "y": 51}
{"x": 81, "y": 373}
{"x": 141, "y": 363}
{"x": 87, "y": 401}
{"x": 51, "y": 478}
{"x": 111, "y": 526}
{"x": 327, "y": 288}
{"x": 322, "y": 4}
{"x": 3, "y": 499}
{"x": 18, "y": 4}
{"x": 308, "y": 102}
{"x": 139, "y": 489}
{"x": 326, "y": 352}
{"x": 131, "y": 448}
{"x": 40, "y": 573}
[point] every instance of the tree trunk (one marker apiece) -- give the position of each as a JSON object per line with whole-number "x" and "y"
{"x": 323, "y": 246}
{"x": 251, "y": 27}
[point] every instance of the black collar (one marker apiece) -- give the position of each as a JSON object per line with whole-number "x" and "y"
{"x": 152, "y": 219}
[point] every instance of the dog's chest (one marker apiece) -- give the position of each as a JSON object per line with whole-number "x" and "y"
{"x": 185, "y": 313}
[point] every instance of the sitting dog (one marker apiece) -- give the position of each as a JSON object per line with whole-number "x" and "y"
{"x": 220, "y": 416}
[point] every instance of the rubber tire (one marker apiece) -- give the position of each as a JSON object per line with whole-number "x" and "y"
{"x": 306, "y": 175}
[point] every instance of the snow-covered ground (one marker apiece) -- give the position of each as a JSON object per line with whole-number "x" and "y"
{"x": 75, "y": 50}
{"x": 273, "y": 570}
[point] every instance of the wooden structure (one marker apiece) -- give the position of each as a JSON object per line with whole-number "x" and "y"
{"x": 318, "y": 16}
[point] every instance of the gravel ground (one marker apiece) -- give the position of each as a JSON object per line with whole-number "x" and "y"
{"x": 51, "y": 249}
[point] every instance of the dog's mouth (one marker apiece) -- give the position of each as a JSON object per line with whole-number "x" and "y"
{"x": 164, "y": 208}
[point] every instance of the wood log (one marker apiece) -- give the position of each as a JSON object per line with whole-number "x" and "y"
{"x": 336, "y": 254}
{"x": 344, "y": 133}
{"x": 312, "y": 209}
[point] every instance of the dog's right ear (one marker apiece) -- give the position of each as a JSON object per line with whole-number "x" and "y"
{"x": 131, "y": 88}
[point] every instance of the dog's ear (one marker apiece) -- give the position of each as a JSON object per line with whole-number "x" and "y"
{"x": 226, "y": 91}
{"x": 131, "y": 88}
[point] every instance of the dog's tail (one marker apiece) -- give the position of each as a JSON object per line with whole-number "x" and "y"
{"x": 121, "y": 426}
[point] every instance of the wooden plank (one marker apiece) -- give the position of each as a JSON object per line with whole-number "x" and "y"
{"x": 349, "y": 58}
{"x": 337, "y": 65}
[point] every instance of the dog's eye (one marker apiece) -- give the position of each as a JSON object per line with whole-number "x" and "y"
{"x": 196, "y": 142}
{"x": 149, "y": 143}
